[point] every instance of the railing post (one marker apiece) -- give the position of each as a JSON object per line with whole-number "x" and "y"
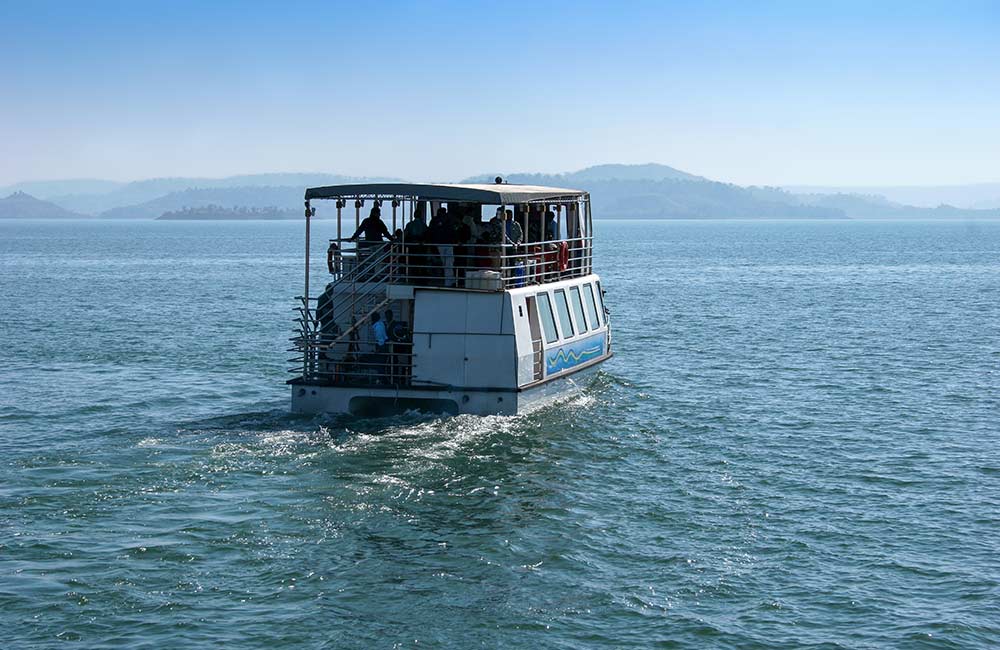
{"x": 590, "y": 239}
{"x": 503, "y": 245}
{"x": 305, "y": 300}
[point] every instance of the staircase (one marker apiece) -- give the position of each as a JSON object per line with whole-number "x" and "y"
{"x": 344, "y": 307}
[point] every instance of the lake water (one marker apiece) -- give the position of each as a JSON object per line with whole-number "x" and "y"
{"x": 797, "y": 445}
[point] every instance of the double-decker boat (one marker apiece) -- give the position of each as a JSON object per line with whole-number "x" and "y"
{"x": 478, "y": 299}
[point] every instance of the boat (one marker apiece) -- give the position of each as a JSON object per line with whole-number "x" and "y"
{"x": 469, "y": 299}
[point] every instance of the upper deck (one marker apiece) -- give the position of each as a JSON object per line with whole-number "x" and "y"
{"x": 462, "y": 236}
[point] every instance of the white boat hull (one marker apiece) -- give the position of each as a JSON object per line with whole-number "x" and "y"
{"x": 376, "y": 401}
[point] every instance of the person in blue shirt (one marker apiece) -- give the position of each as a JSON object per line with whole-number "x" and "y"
{"x": 381, "y": 340}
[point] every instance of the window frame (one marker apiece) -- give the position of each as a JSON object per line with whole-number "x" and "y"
{"x": 600, "y": 302}
{"x": 591, "y": 304}
{"x": 576, "y": 305}
{"x": 542, "y": 297}
{"x": 567, "y": 319}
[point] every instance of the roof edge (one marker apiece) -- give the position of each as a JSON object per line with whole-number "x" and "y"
{"x": 479, "y": 193}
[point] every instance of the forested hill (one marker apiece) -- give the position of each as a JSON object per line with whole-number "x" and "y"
{"x": 647, "y": 191}
{"x": 20, "y": 205}
{"x": 660, "y": 192}
{"x": 219, "y": 213}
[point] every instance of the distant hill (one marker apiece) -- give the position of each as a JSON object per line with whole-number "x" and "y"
{"x": 611, "y": 172}
{"x": 646, "y": 191}
{"x": 47, "y": 190}
{"x": 867, "y": 206}
{"x": 654, "y": 191}
{"x": 287, "y": 197}
{"x": 661, "y": 192}
{"x": 975, "y": 195}
{"x": 120, "y": 195}
{"x": 677, "y": 199}
{"x": 219, "y": 213}
{"x": 20, "y": 205}
{"x": 646, "y": 172}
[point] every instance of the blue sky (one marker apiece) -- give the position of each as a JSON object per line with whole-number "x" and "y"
{"x": 766, "y": 93}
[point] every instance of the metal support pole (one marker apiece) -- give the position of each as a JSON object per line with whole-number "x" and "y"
{"x": 308, "y": 216}
{"x": 503, "y": 244}
{"x": 307, "y": 350}
{"x": 339, "y": 234}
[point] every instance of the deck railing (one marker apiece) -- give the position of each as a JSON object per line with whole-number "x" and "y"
{"x": 485, "y": 267}
{"x": 329, "y": 338}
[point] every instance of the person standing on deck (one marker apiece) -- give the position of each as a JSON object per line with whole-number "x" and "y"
{"x": 515, "y": 234}
{"x": 414, "y": 235}
{"x": 373, "y": 227}
{"x": 396, "y": 331}
{"x": 442, "y": 233}
{"x": 551, "y": 226}
{"x": 417, "y": 228}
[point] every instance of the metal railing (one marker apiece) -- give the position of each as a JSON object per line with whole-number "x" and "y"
{"x": 361, "y": 292}
{"x": 328, "y": 339}
{"x": 474, "y": 266}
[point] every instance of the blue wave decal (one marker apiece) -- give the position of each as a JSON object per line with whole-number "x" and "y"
{"x": 573, "y": 354}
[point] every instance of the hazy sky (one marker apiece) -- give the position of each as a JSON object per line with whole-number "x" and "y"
{"x": 766, "y": 93}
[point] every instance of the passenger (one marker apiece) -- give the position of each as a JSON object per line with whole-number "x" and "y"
{"x": 396, "y": 331}
{"x": 399, "y": 268}
{"x": 494, "y": 228}
{"x": 403, "y": 349}
{"x": 325, "y": 314}
{"x": 417, "y": 228}
{"x": 349, "y": 366}
{"x": 381, "y": 340}
{"x": 373, "y": 227}
{"x": 463, "y": 247}
{"x": 414, "y": 236}
{"x": 515, "y": 234}
{"x": 551, "y": 226}
{"x": 531, "y": 223}
{"x": 442, "y": 233}
{"x": 472, "y": 222}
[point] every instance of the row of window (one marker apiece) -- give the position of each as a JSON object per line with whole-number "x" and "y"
{"x": 591, "y": 300}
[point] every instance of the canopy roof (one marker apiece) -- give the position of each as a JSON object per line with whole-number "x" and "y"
{"x": 495, "y": 194}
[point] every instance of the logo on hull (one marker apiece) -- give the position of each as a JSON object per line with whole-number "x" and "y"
{"x": 573, "y": 354}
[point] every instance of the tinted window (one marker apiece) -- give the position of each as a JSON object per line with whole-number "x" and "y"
{"x": 545, "y": 313}
{"x": 600, "y": 303}
{"x": 565, "y": 324}
{"x": 591, "y": 305}
{"x": 574, "y": 293}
